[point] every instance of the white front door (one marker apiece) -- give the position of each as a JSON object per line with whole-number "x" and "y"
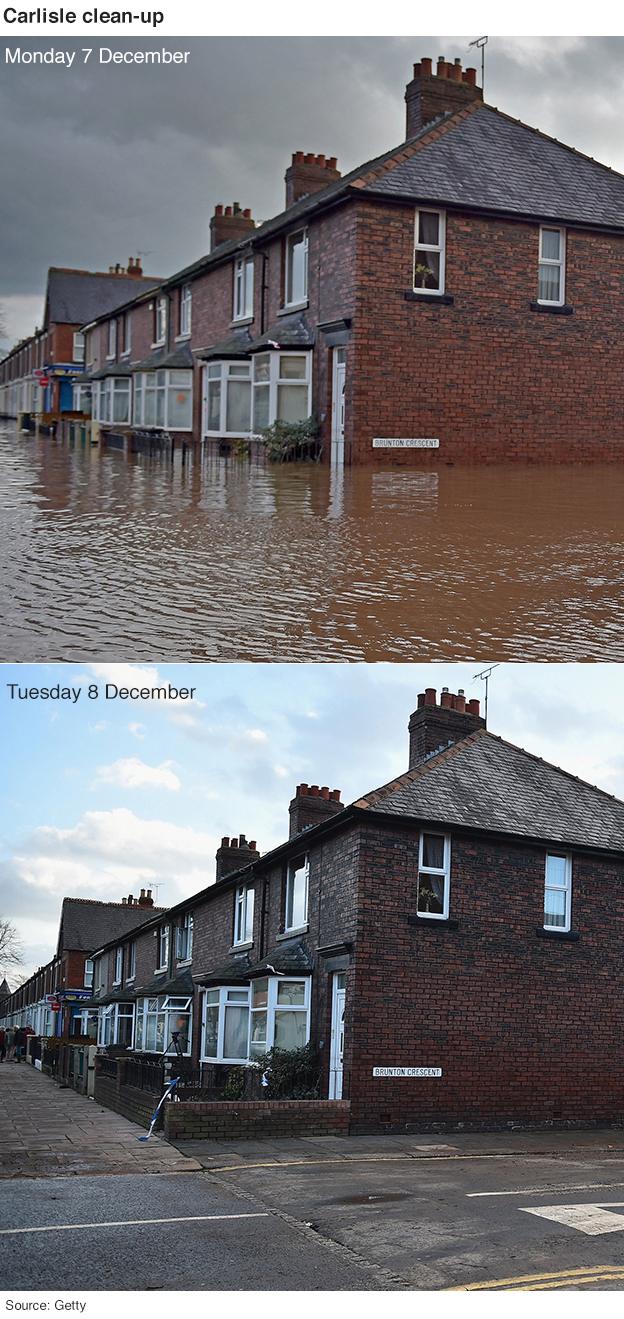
{"x": 337, "y": 1036}
{"x": 338, "y": 406}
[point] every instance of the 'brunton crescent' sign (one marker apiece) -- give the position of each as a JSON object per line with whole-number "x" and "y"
{"x": 405, "y": 444}
{"x": 407, "y": 1071}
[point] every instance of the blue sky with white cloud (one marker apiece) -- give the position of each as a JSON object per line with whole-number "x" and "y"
{"x": 101, "y": 798}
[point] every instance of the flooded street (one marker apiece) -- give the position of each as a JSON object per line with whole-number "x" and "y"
{"x": 139, "y": 558}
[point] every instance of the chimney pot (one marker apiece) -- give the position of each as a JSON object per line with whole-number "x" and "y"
{"x": 430, "y": 695}
{"x": 302, "y": 790}
{"x": 124, "y": 902}
{"x": 426, "y": 66}
{"x": 320, "y": 160}
{"x": 325, "y": 793}
{"x": 228, "y": 210}
{"x": 218, "y": 209}
{"x": 247, "y": 213}
{"x": 252, "y": 846}
{"x": 309, "y": 158}
{"x": 130, "y": 899}
{"x": 332, "y": 162}
{"x": 417, "y": 70}
{"x": 446, "y": 700}
{"x": 421, "y": 700}
{"x": 335, "y": 794}
{"x": 314, "y": 790}
{"x": 460, "y": 703}
{"x": 242, "y": 841}
{"x": 233, "y": 842}
{"x": 473, "y": 706}
{"x": 470, "y": 76}
{"x": 225, "y": 842}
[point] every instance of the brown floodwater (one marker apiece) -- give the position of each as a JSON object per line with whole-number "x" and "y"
{"x": 105, "y": 555}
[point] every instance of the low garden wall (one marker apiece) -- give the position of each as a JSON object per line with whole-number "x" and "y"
{"x": 222, "y": 1120}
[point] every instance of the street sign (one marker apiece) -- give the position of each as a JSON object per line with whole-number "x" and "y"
{"x": 407, "y": 1071}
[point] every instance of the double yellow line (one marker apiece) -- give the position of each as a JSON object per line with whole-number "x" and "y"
{"x": 537, "y": 1282}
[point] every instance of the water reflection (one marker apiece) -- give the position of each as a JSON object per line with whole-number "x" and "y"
{"x": 105, "y": 555}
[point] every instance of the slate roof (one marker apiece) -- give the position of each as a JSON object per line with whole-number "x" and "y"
{"x": 178, "y": 986}
{"x": 86, "y": 925}
{"x": 180, "y": 359}
{"x": 483, "y": 782}
{"x": 289, "y": 332}
{"x": 287, "y": 958}
{"x": 236, "y": 345}
{"x": 76, "y": 297}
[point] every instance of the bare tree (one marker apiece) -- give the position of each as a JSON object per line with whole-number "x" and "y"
{"x": 11, "y": 953}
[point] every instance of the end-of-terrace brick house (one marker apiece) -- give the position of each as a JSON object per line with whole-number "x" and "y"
{"x": 44, "y": 375}
{"x": 457, "y": 299}
{"x": 450, "y": 943}
{"x": 56, "y": 999}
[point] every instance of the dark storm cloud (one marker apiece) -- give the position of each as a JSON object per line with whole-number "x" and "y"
{"x": 101, "y": 162}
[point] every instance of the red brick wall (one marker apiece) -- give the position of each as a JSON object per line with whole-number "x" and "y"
{"x": 525, "y": 1029}
{"x": 256, "y": 1120}
{"x": 492, "y": 379}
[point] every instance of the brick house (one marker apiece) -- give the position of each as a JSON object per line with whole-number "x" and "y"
{"x": 44, "y": 374}
{"x": 56, "y": 999}
{"x": 449, "y": 943}
{"x": 454, "y": 300}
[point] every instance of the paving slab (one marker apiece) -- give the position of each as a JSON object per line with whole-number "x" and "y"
{"x": 46, "y": 1131}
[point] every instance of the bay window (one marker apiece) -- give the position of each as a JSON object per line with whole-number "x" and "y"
{"x": 558, "y": 893}
{"x": 225, "y": 1031}
{"x": 434, "y": 876}
{"x": 243, "y": 915}
{"x": 296, "y": 273}
{"x": 429, "y": 251}
{"x": 551, "y": 281}
{"x": 281, "y": 388}
{"x": 227, "y": 399}
{"x": 241, "y": 1023}
{"x": 296, "y": 900}
{"x": 243, "y": 288}
{"x": 158, "y": 1019}
{"x": 163, "y": 400}
{"x": 111, "y": 400}
{"x": 116, "y": 1024}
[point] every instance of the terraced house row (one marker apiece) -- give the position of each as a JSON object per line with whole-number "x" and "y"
{"x": 449, "y": 943}
{"x": 452, "y": 300}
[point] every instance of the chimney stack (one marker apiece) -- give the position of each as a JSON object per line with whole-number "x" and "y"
{"x": 233, "y": 854}
{"x": 430, "y": 94}
{"x": 134, "y": 267}
{"x": 312, "y": 804}
{"x": 434, "y": 727}
{"x": 229, "y": 222}
{"x": 146, "y": 899}
{"x": 308, "y": 173}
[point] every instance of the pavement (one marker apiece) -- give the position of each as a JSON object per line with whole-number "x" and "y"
{"x": 510, "y": 1211}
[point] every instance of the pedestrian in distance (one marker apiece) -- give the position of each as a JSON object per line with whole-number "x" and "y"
{"x": 20, "y": 1043}
{"x": 10, "y": 1042}
{"x": 2, "y": 1044}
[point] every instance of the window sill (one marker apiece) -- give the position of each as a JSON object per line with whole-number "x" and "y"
{"x": 130, "y": 980}
{"x": 290, "y": 934}
{"x": 293, "y": 306}
{"x": 444, "y": 299}
{"x": 241, "y": 320}
{"x": 433, "y": 922}
{"x": 160, "y": 971}
{"x": 186, "y": 961}
{"x": 110, "y": 357}
{"x": 159, "y": 344}
{"x": 182, "y": 338}
{"x": 562, "y": 936}
{"x": 552, "y": 310}
{"x": 241, "y": 947}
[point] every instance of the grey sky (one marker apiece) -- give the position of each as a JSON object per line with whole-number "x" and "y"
{"x": 101, "y": 162}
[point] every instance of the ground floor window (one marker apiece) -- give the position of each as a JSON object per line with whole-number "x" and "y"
{"x": 82, "y": 399}
{"x": 116, "y": 1024}
{"x": 83, "y": 1021}
{"x": 158, "y": 1019}
{"x": 281, "y": 388}
{"x": 111, "y": 400}
{"x": 163, "y": 400}
{"x": 240, "y": 1023}
{"x": 227, "y": 399}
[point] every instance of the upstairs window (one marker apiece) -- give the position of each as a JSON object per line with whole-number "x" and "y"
{"x": 118, "y": 966}
{"x": 186, "y": 303}
{"x": 78, "y": 348}
{"x": 429, "y": 252}
{"x": 160, "y": 325}
{"x": 88, "y": 973}
{"x": 112, "y": 339}
{"x": 127, "y": 333}
{"x": 558, "y": 893}
{"x": 434, "y": 876}
{"x": 297, "y": 886}
{"x": 243, "y": 288}
{"x": 163, "y": 948}
{"x": 185, "y": 938}
{"x": 243, "y": 915}
{"x": 131, "y": 961}
{"x": 551, "y": 286}
{"x": 296, "y": 282}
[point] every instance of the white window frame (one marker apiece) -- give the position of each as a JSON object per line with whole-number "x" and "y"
{"x": 565, "y": 887}
{"x": 78, "y": 349}
{"x": 221, "y": 992}
{"x": 186, "y": 311}
{"x": 118, "y": 969}
{"x": 276, "y": 379}
{"x": 105, "y": 394}
{"x": 108, "y": 1024}
{"x": 445, "y": 873}
{"x": 111, "y": 351}
{"x": 439, "y": 247}
{"x": 224, "y": 377}
{"x": 560, "y": 262}
{"x": 289, "y": 300}
{"x": 140, "y": 387}
{"x": 163, "y": 944}
{"x": 184, "y": 938}
{"x": 244, "y": 900}
{"x": 272, "y": 1006}
{"x": 293, "y": 868}
{"x": 243, "y": 309}
{"x": 160, "y": 321}
{"x": 131, "y": 961}
{"x": 169, "y": 1006}
{"x": 88, "y": 973}
{"x": 127, "y": 334}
